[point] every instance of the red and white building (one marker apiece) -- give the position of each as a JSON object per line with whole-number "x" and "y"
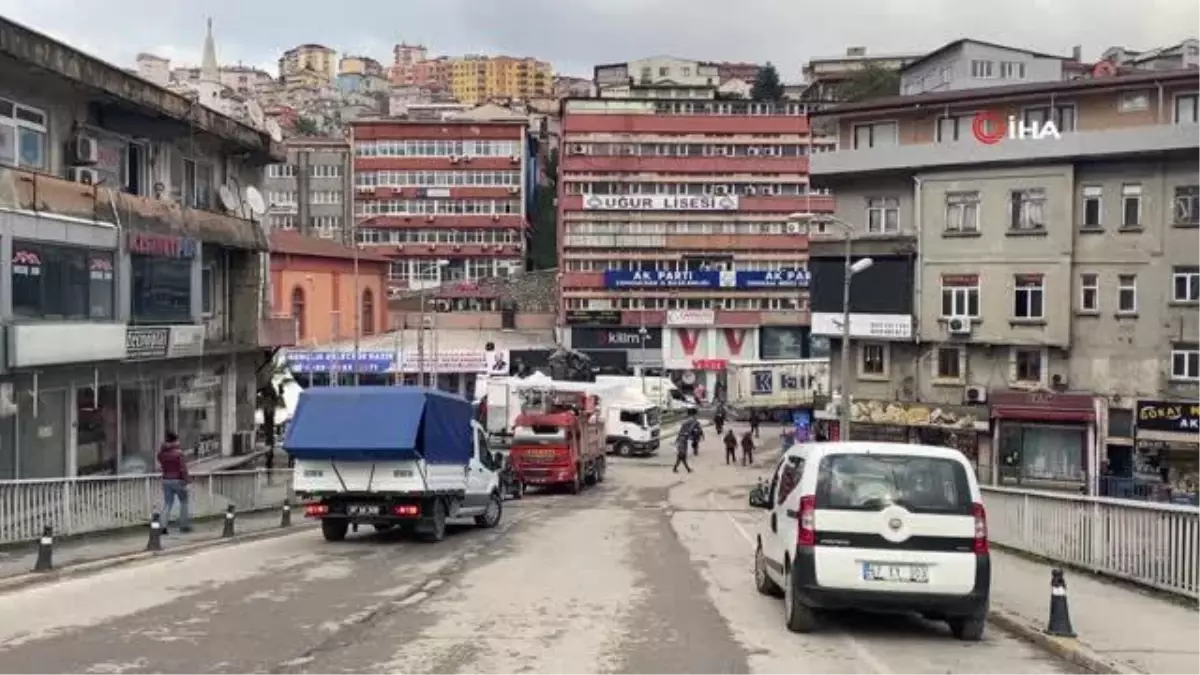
{"x": 673, "y": 215}
{"x": 447, "y": 201}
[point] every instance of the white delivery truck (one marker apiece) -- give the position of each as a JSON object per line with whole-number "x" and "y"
{"x": 775, "y": 387}
{"x": 403, "y": 457}
{"x": 632, "y": 423}
{"x": 660, "y": 390}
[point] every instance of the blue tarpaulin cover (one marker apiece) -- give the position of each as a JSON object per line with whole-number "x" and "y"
{"x": 381, "y": 424}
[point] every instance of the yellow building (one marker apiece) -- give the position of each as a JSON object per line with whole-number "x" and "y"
{"x": 318, "y": 59}
{"x": 478, "y": 79}
{"x": 359, "y": 65}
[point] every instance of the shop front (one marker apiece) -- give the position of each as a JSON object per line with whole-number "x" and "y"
{"x": 1046, "y": 439}
{"x": 452, "y": 370}
{"x": 963, "y": 428}
{"x": 1165, "y": 462}
{"x": 696, "y": 353}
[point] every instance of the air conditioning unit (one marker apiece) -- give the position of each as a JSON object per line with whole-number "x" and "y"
{"x": 578, "y": 150}
{"x": 496, "y": 217}
{"x": 974, "y": 395}
{"x": 795, "y": 228}
{"x": 751, "y": 190}
{"x": 1059, "y": 382}
{"x": 429, "y": 218}
{"x": 515, "y": 159}
{"x": 444, "y": 306}
{"x": 454, "y": 159}
{"x": 365, "y": 189}
{"x": 959, "y": 325}
{"x": 721, "y": 189}
{"x": 85, "y": 149}
{"x": 83, "y": 174}
{"x": 753, "y": 151}
{"x": 513, "y": 190}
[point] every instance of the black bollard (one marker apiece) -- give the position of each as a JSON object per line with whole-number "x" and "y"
{"x": 286, "y": 519}
{"x": 1060, "y": 616}
{"x": 228, "y": 531}
{"x": 45, "y": 553}
{"x": 154, "y": 543}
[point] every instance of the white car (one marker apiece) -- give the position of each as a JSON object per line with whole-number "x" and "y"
{"x": 886, "y": 527}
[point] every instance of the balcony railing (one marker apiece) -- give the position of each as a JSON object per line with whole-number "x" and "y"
{"x": 1080, "y": 144}
{"x": 30, "y": 191}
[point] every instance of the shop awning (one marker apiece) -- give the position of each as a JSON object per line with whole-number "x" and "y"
{"x": 1040, "y": 414}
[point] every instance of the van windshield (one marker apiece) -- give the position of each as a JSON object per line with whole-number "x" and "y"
{"x": 921, "y": 484}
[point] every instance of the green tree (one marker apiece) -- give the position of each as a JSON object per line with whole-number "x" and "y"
{"x": 306, "y": 126}
{"x": 870, "y": 82}
{"x": 543, "y": 245}
{"x": 767, "y": 86}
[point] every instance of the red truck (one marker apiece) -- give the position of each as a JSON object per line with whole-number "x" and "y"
{"x": 558, "y": 439}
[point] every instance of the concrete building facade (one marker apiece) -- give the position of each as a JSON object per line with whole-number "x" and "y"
{"x": 1056, "y": 284}
{"x": 130, "y": 298}
{"x": 313, "y": 59}
{"x": 969, "y": 64}
{"x": 311, "y": 192}
{"x": 673, "y": 215}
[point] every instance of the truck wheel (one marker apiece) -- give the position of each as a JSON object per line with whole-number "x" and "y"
{"x": 334, "y": 529}
{"x": 601, "y": 470}
{"x": 519, "y": 490}
{"x": 577, "y": 484}
{"x": 437, "y": 526}
{"x": 491, "y": 517}
{"x": 593, "y": 473}
{"x": 624, "y": 449}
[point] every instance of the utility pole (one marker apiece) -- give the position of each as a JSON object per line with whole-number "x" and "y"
{"x": 847, "y": 275}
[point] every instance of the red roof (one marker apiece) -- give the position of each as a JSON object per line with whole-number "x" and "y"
{"x": 290, "y": 242}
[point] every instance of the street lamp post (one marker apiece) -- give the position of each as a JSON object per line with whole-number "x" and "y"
{"x": 849, "y": 269}
{"x": 422, "y": 268}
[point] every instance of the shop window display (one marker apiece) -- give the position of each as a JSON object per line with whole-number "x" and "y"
{"x": 96, "y": 433}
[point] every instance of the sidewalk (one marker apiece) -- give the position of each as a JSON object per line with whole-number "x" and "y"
{"x": 101, "y": 545}
{"x": 1119, "y": 623}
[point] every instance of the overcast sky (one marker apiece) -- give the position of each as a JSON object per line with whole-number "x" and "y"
{"x": 576, "y": 34}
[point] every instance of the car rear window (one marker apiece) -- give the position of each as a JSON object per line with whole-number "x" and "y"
{"x": 866, "y": 482}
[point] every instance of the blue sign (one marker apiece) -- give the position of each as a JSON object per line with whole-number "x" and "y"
{"x": 798, "y": 278}
{"x": 764, "y": 382}
{"x": 773, "y": 279}
{"x": 662, "y": 279}
{"x": 342, "y": 362}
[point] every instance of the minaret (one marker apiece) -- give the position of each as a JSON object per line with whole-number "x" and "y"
{"x": 209, "y": 70}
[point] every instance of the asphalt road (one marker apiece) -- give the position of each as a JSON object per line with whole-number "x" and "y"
{"x": 650, "y": 572}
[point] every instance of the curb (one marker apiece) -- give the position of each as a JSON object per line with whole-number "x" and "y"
{"x": 92, "y": 566}
{"x": 1067, "y": 649}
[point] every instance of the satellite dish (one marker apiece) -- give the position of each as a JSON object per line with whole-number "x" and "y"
{"x": 229, "y": 199}
{"x": 275, "y": 131}
{"x": 255, "y": 112}
{"x": 255, "y": 202}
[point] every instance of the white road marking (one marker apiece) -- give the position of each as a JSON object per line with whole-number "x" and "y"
{"x": 860, "y": 649}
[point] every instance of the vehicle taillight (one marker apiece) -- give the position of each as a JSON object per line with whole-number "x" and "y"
{"x": 980, "y": 544}
{"x": 315, "y": 510}
{"x": 406, "y": 510}
{"x": 806, "y": 535}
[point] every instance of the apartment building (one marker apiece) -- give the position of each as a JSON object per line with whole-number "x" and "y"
{"x": 657, "y": 77}
{"x": 129, "y": 296}
{"x": 316, "y": 59}
{"x": 674, "y": 241}
{"x": 359, "y": 65}
{"x": 480, "y": 79}
{"x": 969, "y": 64}
{"x": 1054, "y": 226}
{"x": 310, "y": 191}
{"x": 446, "y": 200}
{"x": 404, "y": 57}
{"x": 825, "y": 77}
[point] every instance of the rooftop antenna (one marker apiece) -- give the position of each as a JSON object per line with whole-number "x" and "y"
{"x": 274, "y": 130}
{"x": 230, "y": 200}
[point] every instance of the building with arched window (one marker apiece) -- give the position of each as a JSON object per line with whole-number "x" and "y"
{"x": 313, "y": 281}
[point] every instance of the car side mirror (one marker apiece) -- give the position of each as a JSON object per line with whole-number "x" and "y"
{"x": 758, "y": 497}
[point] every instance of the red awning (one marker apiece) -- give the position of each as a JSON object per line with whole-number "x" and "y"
{"x": 1039, "y": 414}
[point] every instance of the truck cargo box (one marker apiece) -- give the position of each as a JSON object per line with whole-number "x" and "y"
{"x": 373, "y": 424}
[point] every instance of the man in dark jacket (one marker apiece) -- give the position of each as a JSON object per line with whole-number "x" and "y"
{"x": 687, "y": 431}
{"x": 730, "y": 447}
{"x": 747, "y": 449}
{"x": 755, "y": 420}
{"x": 175, "y": 480}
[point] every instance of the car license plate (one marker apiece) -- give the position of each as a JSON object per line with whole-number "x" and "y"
{"x": 362, "y": 510}
{"x": 896, "y": 573}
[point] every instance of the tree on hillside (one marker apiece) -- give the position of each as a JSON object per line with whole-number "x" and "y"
{"x": 767, "y": 86}
{"x": 870, "y": 82}
{"x": 306, "y": 126}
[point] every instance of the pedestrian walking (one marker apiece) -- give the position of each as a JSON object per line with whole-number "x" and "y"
{"x": 747, "y": 449}
{"x": 730, "y": 447}
{"x": 719, "y": 418}
{"x": 754, "y": 422}
{"x": 687, "y": 431}
{"x": 697, "y": 436}
{"x": 175, "y": 479}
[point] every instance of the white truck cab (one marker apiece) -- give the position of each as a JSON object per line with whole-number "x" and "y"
{"x": 633, "y": 426}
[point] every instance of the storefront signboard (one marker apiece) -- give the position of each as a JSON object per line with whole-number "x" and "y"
{"x": 343, "y": 362}
{"x": 913, "y": 415}
{"x": 161, "y": 246}
{"x": 147, "y": 342}
{"x": 593, "y": 317}
{"x": 866, "y": 326}
{"x": 727, "y": 279}
{"x": 691, "y": 317}
{"x": 618, "y": 337}
{"x": 1168, "y": 417}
